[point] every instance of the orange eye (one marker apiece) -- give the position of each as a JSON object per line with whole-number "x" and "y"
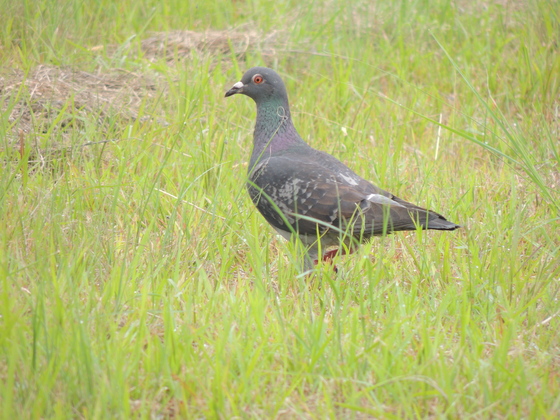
{"x": 258, "y": 79}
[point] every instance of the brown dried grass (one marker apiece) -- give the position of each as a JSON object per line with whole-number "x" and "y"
{"x": 179, "y": 44}
{"x": 35, "y": 101}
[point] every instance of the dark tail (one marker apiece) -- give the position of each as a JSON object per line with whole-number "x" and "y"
{"x": 428, "y": 219}
{"x": 440, "y": 223}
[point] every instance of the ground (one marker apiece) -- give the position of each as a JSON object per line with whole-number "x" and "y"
{"x": 138, "y": 281}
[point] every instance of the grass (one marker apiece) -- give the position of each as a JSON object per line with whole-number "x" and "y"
{"x": 138, "y": 281}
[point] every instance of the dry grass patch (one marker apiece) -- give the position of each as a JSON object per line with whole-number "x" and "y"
{"x": 55, "y": 101}
{"x": 51, "y": 99}
{"x": 177, "y": 45}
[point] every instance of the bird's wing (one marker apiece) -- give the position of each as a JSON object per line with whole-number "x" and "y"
{"x": 298, "y": 192}
{"x": 382, "y": 211}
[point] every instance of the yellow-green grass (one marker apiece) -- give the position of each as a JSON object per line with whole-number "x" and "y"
{"x": 137, "y": 279}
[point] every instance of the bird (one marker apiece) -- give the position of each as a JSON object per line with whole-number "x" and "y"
{"x": 310, "y": 195}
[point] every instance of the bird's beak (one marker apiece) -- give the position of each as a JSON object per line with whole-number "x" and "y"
{"x": 237, "y": 88}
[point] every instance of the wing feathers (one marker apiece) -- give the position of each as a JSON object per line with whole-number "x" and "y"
{"x": 298, "y": 186}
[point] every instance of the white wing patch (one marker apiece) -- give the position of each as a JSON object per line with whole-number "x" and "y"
{"x": 349, "y": 179}
{"x": 381, "y": 199}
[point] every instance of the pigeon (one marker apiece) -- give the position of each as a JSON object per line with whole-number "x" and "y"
{"x": 310, "y": 195}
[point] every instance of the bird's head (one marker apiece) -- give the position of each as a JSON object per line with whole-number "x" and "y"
{"x": 261, "y": 84}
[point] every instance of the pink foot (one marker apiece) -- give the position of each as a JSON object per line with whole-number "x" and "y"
{"x": 329, "y": 255}
{"x": 329, "y": 260}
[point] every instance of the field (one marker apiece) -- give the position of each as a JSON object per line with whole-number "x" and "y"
{"x": 137, "y": 280}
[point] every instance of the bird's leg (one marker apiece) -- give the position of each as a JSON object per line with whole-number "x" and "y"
{"x": 329, "y": 255}
{"x": 328, "y": 259}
